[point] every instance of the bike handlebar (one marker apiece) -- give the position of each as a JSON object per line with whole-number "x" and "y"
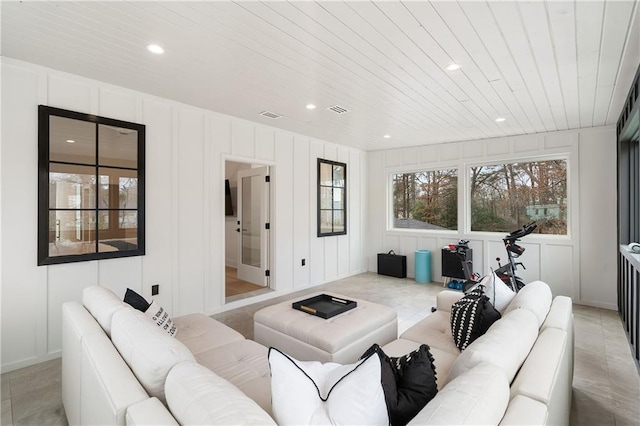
{"x": 522, "y": 232}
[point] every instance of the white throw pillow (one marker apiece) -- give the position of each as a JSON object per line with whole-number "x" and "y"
{"x": 161, "y": 318}
{"x": 147, "y": 350}
{"x": 312, "y": 393}
{"x": 499, "y": 294}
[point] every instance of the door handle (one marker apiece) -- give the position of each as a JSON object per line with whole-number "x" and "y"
{"x": 237, "y": 229}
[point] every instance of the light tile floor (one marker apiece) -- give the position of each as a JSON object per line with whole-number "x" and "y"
{"x": 606, "y": 385}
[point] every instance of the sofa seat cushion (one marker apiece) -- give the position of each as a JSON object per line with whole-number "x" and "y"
{"x": 479, "y": 396}
{"x": 197, "y": 396}
{"x": 442, "y": 360}
{"x": 243, "y": 363}
{"x": 435, "y": 331}
{"x": 201, "y": 333}
{"x": 102, "y": 303}
{"x": 506, "y": 344}
{"x": 535, "y": 297}
{"x": 149, "y": 351}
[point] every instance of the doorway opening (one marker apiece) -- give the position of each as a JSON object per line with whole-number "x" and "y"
{"x": 247, "y": 230}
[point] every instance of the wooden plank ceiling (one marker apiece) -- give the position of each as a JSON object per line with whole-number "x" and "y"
{"x": 543, "y": 66}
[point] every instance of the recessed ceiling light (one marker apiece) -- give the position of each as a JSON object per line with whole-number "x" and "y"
{"x": 500, "y": 119}
{"x": 154, "y": 48}
{"x": 70, "y": 141}
{"x": 310, "y": 106}
{"x": 387, "y": 136}
{"x": 453, "y": 66}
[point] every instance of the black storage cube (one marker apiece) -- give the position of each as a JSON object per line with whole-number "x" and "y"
{"x": 392, "y": 265}
{"x": 452, "y": 264}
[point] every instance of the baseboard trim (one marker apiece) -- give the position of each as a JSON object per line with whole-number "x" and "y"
{"x": 28, "y": 362}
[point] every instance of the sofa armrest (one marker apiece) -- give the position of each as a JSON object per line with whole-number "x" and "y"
{"x": 77, "y": 323}
{"x": 546, "y": 375}
{"x": 446, "y": 298}
{"x": 149, "y": 412}
{"x": 108, "y": 385}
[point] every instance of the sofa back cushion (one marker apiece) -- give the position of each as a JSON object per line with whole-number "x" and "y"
{"x": 506, "y": 345}
{"x": 535, "y": 297}
{"x": 148, "y": 350}
{"x": 198, "y": 396}
{"x": 476, "y": 397}
{"x": 102, "y": 303}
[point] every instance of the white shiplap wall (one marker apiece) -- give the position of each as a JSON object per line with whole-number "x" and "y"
{"x": 581, "y": 265}
{"x": 186, "y": 149}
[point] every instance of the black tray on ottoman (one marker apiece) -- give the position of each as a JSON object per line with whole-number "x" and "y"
{"x": 324, "y": 306}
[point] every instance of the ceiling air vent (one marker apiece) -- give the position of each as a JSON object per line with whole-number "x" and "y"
{"x": 270, "y": 114}
{"x": 338, "y": 109}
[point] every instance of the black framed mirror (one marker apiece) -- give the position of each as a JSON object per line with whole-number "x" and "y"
{"x": 332, "y": 198}
{"x": 90, "y": 187}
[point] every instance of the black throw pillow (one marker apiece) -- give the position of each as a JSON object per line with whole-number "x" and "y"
{"x": 471, "y": 317}
{"x": 408, "y": 382}
{"x": 135, "y": 300}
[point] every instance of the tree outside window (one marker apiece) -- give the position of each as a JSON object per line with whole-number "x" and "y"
{"x": 507, "y": 196}
{"x": 426, "y": 200}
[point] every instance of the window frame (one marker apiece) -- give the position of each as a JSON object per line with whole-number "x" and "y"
{"x": 404, "y": 170}
{"x": 492, "y": 162}
{"x": 319, "y": 199}
{"x": 44, "y": 163}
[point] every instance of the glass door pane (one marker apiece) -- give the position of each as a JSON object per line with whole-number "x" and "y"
{"x": 251, "y": 208}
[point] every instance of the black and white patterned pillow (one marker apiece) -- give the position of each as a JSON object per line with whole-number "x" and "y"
{"x": 471, "y": 317}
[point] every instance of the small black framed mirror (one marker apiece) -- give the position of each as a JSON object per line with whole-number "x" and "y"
{"x": 332, "y": 198}
{"x": 90, "y": 187}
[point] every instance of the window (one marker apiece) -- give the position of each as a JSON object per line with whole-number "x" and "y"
{"x": 426, "y": 200}
{"x": 332, "y": 198}
{"x": 90, "y": 187}
{"x": 507, "y": 196}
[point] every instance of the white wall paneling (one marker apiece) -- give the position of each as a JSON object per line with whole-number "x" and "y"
{"x": 24, "y": 315}
{"x": 355, "y": 221}
{"x": 186, "y": 151}
{"x": 158, "y": 263}
{"x": 303, "y": 216}
{"x": 190, "y": 201}
{"x": 579, "y": 265}
{"x": 282, "y": 258}
{"x": 597, "y": 218}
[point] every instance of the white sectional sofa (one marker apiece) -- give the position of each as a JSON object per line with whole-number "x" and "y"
{"x": 519, "y": 372}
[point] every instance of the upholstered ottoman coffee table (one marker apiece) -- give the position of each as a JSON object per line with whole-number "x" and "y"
{"x": 341, "y": 339}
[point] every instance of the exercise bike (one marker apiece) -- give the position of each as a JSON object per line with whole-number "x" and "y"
{"x": 507, "y": 272}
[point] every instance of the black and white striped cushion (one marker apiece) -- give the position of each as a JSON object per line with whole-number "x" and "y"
{"x": 471, "y": 316}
